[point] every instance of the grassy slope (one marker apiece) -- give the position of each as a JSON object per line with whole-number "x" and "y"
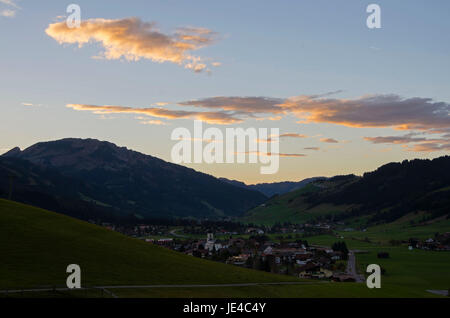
{"x": 289, "y": 207}
{"x": 37, "y": 245}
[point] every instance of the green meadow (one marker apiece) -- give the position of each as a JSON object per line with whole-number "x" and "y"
{"x": 289, "y": 207}
{"x": 37, "y": 245}
{"x": 407, "y": 273}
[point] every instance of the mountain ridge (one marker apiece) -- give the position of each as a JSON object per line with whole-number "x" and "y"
{"x": 274, "y": 188}
{"x": 381, "y": 196}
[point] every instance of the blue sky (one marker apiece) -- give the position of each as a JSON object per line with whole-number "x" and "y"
{"x": 276, "y": 49}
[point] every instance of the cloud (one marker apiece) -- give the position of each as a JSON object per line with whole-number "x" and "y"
{"x": 395, "y": 139}
{"x": 377, "y": 111}
{"x": 416, "y": 114}
{"x": 10, "y": 12}
{"x": 152, "y": 122}
{"x": 312, "y": 148}
{"x": 422, "y": 144}
{"x": 10, "y": 3}
{"x": 30, "y": 104}
{"x": 430, "y": 147}
{"x": 329, "y": 140}
{"x": 293, "y": 135}
{"x": 259, "y": 153}
{"x": 286, "y": 135}
{"x": 373, "y": 111}
{"x": 133, "y": 39}
{"x": 220, "y": 118}
{"x": 243, "y": 105}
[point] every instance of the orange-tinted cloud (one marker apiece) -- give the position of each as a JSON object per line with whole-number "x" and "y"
{"x": 430, "y": 147}
{"x": 421, "y": 144}
{"x": 152, "y": 122}
{"x": 329, "y": 140}
{"x": 220, "y": 118}
{"x": 381, "y": 111}
{"x": 293, "y": 135}
{"x": 133, "y": 39}
{"x": 373, "y": 111}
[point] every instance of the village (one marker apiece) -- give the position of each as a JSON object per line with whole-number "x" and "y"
{"x": 278, "y": 249}
{"x": 296, "y": 258}
{"x": 281, "y": 249}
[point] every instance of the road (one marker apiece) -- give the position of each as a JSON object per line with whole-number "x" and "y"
{"x": 105, "y": 288}
{"x": 351, "y": 267}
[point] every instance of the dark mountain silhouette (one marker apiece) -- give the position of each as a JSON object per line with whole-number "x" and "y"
{"x": 114, "y": 178}
{"x": 381, "y": 196}
{"x": 271, "y": 189}
{"x": 393, "y": 190}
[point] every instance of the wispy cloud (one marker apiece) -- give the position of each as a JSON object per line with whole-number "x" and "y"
{"x": 243, "y": 105}
{"x": 11, "y": 8}
{"x": 153, "y": 122}
{"x": 329, "y": 140}
{"x": 8, "y": 13}
{"x": 312, "y": 148}
{"x": 430, "y": 147}
{"x": 273, "y": 138}
{"x": 396, "y": 139}
{"x": 259, "y": 153}
{"x": 133, "y": 39}
{"x": 420, "y": 144}
{"x": 10, "y": 3}
{"x": 30, "y": 104}
{"x": 220, "y": 118}
{"x": 293, "y": 135}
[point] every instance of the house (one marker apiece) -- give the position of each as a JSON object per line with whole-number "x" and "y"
{"x": 210, "y": 242}
{"x": 268, "y": 250}
{"x": 239, "y": 260}
{"x": 165, "y": 241}
{"x": 313, "y": 270}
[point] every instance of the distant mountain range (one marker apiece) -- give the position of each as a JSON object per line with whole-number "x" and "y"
{"x": 90, "y": 178}
{"x": 275, "y": 188}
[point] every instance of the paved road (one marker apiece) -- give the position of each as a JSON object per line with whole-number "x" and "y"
{"x": 440, "y": 292}
{"x": 351, "y": 267}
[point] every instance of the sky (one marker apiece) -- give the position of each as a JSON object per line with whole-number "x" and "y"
{"x": 346, "y": 98}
